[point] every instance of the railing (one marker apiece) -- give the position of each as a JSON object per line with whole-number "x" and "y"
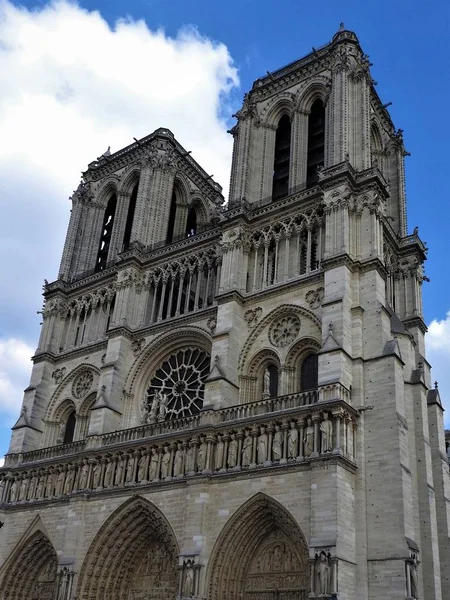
{"x": 205, "y": 418}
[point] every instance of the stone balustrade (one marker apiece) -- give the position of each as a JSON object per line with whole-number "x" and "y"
{"x": 270, "y": 440}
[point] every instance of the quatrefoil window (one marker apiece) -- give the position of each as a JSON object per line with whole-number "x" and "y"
{"x": 182, "y": 379}
{"x": 284, "y": 331}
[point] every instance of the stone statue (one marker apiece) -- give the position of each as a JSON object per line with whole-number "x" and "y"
{"x": 68, "y": 485}
{"x": 109, "y": 473}
{"x": 179, "y": 460}
{"x": 165, "y": 463}
{"x": 190, "y": 456}
{"x": 60, "y": 483}
{"x": 277, "y": 444}
{"x": 219, "y": 453}
{"x": 119, "y": 472}
{"x": 326, "y": 429}
{"x": 247, "y": 445}
{"x": 145, "y": 412}
{"x": 232, "y": 452}
{"x": 154, "y": 459}
{"x": 323, "y": 572}
{"x": 413, "y": 577}
{"x": 23, "y": 489}
{"x": 13, "y": 491}
{"x": 84, "y": 475}
{"x": 130, "y": 470}
{"x": 293, "y": 440}
{"x": 201, "y": 458}
{"x": 141, "y": 469}
{"x": 64, "y": 583}
{"x": 31, "y": 489}
{"x": 49, "y": 486}
{"x": 308, "y": 438}
{"x": 162, "y": 406}
{"x": 188, "y": 583}
{"x": 40, "y": 487}
{"x": 96, "y": 476}
{"x": 61, "y": 432}
{"x": 266, "y": 388}
{"x": 262, "y": 445}
{"x": 154, "y": 408}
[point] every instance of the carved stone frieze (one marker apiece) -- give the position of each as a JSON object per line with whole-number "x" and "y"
{"x": 314, "y": 297}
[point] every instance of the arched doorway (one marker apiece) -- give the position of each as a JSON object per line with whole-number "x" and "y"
{"x": 32, "y": 571}
{"x": 260, "y": 555}
{"x": 134, "y": 555}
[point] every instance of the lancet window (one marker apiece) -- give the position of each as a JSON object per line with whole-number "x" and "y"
{"x": 69, "y": 431}
{"x": 105, "y": 238}
{"x": 309, "y": 373}
{"x": 130, "y": 217}
{"x": 283, "y": 251}
{"x": 191, "y": 223}
{"x": 172, "y": 214}
{"x": 282, "y": 159}
{"x": 182, "y": 286}
{"x": 316, "y": 141}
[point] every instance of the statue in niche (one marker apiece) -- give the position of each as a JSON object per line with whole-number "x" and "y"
{"x": 188, "y": 583}
{"x": 178, "y": 462}
{"x": 141, "y": 468}
{"x": 308, "y": 438}
{"x": 40, "y": 486}
{"x": 60, "y": 483}
{"x": 145, "y": 411}
{"x": 119, "y": 472}
{"x": 266, "y": 387}
{"x": 165, "y": 463}
{"x": 201, "y": 459}
{"x": 232, "y": 452}
{"x": 49, "y": 485}
{"x": 326, "y": 429}
{"x": 162, "y": 406}
{"x": 219, "y": 453}
{"x": 154, "y": 460}
{"x": 84, "y": 475}
{"x": 31, "y": 489}
{"x": 190, "y": 456}
{"x": 277, "y": 558}
{"x": 23, "y": 489}
{"x": 96, "y": 475}
{"x": 154, "y": 408}
{"x": 262, "y": 445}
{"x": 323, "y": 572}
{"x": 130, "y": 470}
{"x": 13, "y": 491}
{"x": 64, "y": 583}
{"x": 61, "y": 432}
{"x": 277, "y": 444}
{"x": 414, "y": 563}
{"x": 109, "y": 473}
{"x": 247, "y": 445}
{"x": 293, "y": 440}
{"x": 68, "y": 485}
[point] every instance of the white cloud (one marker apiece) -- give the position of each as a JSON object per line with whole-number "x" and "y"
{"x": 15, "y": 366}
{"x": 71, "y": 86}
{"x": 438, "y": 353}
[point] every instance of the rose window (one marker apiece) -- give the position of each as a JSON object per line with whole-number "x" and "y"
{"x": 285, "y": 331}
{"x": 82, "y": 384}
{"x": 181, "y": 378}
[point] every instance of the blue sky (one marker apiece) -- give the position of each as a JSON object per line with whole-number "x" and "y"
{"x": 94, "y": 86}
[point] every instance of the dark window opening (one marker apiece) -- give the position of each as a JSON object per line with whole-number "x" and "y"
{"x": 309, "y": 374}
{"x": 316, "y": 141}
{"x": 273, "y": 386}
{"x": 105, "y": 238}
{"x": 70, "y": 428}
{"x": 282, "y": 159}
{"x": 130, "y": 217}
{"x": 110, "y": 313}
{"x": 171, "y": 224}
{"x": 191, "y": 225}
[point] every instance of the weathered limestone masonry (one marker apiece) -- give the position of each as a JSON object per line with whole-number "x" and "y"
{"x": 233, "y": 402}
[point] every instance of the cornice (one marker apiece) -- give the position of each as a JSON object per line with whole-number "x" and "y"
{"x": 279, "y": 288}
{"x": 70, "y": 354}
{"x": 416, "y": 321}
{"x": 199, "y": 315}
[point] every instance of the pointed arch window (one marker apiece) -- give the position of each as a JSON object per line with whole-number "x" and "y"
{"x": 309, "y": 373}
{"x": 282, "y": 159}
{"x": 105, "y": 238}
{"x": 191, "y": 223}
{"x": 130, "y": 217}
{"x": 70, "y": 428}
{"x": 172, "y": 214}
{"x": 316, "y": 141}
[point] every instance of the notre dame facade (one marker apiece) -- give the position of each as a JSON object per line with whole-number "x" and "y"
{"x": 232, "y": 402}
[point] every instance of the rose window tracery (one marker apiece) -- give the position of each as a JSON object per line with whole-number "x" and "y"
{"x": 181, "y": 381}
{"x": 82, "y": 384}
{"x": 284, "y": 331}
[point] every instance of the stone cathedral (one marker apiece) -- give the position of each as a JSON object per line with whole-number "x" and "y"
{"x": 232, "y": 401}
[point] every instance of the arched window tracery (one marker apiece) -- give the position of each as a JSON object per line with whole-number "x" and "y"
{"x": 69, "y": 431}
{"x": 105, "y": 238}
{"x": 316, "y": 141}
{"x": 130, "y": 217}
{"x": 282, "y": 159}
{"x": 309, "y": 373}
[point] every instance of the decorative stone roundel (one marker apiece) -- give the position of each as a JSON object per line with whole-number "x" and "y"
{"x": 82, "y": 384}
{"x": 284, "y": 331}
{"x": 182, "y": 379}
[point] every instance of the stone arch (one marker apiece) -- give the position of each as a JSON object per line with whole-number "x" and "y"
{"x": 135, "y": 549}
{"x": 198, "y": 203}
{"x": 294, "y": 360}
{"x": 64, "y": 389}
{"x": 109, "y": 186}
{"x": 129, "y": 179}
{"x": 31, "y": 568}
{"x": 270, "y": 318}
{"x": 318, "y": 88}
{"x": 255, "y": 374}
{"x": 283, "y": 104}
{"x": 253, "y": 532}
